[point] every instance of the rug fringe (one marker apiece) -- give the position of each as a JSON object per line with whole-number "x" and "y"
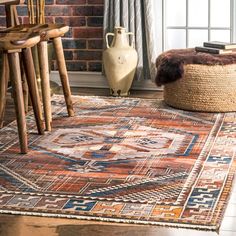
{"x": 113, "y": 220}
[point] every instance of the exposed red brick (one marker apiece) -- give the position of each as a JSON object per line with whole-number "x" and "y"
{"x": 95, "y": 44}
{"x": 83, "y": 43}
{"x": 58, "y": 10}
{"x": 49, "y": 19}
{"x": 71, "y": 21}
{"x": 2, "y": 21}
{"x": 96, "y": 21}
{"x": 2, "y": 10}
{"x": 88, "y": 33}
{"x": 74, "y": 43}
{"x": 98, "y": 2}
{"x": 95, "y": 66}
{"x": 76, "y": 65}
{"x": 71, "y": 2}
{"x": 88, "y": 11}
{"x": 89, "y": 55}
{"x": 25, "y": 19}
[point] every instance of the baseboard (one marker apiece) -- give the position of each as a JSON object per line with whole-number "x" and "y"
{"x": 97, "y": 80}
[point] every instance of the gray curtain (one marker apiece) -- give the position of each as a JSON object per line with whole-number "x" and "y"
{"x": 137, "y": 17}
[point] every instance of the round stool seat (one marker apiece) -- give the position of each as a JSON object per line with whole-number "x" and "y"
{"x": 53, "y": 31}
{"x": 16, "y": 40}
{"x": 46, "y": 31}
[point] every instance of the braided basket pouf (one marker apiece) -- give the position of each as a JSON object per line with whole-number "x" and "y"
{"x": 204, "y": 88}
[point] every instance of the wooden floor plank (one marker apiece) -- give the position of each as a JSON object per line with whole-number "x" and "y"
{"x": 231, "y": 209}
{"x": 229, "y": 223}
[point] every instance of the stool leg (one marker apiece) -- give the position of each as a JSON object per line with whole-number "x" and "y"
{"x": 14, "y": 66}
{"x": 45, "y": 83}
{"x": 63, "y": 74}
{"x": 34, "y": 51}
{"x": 3, "y": 87}
{"x": 24, "y": 88}
{"x": 33, "y": 88}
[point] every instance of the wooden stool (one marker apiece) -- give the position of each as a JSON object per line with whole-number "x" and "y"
{"x": 49, "y": 32}
{"x": 11, "y": 44}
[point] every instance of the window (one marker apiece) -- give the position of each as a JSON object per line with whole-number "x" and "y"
{"x": 188, "y": 23}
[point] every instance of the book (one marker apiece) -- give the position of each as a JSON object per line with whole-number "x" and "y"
{"x": 220, "y": 45}
{"x": 213, "y": 50}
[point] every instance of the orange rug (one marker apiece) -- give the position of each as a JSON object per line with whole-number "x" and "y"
{"x": 122, "y": 160}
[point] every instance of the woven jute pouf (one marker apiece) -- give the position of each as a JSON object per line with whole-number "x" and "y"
{"x": 204, "y": 88}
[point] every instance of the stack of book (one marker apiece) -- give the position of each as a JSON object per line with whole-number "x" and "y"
{"x": 216, "y": 47}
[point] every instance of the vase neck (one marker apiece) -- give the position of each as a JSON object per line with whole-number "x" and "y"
{"x": 120, "y": 38}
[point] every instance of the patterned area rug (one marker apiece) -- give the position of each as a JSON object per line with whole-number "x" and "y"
{"x": 122, "y": 160}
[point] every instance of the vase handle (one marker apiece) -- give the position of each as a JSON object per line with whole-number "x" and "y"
{"x": 108, "y": 34}
{"x": 133, "y": 39}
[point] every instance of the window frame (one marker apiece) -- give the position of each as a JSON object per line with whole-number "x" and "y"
{"x": 161, "y": 28}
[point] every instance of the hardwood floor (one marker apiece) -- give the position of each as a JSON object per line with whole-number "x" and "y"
{"x": 13, "y": 225}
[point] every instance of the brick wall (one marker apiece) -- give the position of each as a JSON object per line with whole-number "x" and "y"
{"x": 83, "y": 43}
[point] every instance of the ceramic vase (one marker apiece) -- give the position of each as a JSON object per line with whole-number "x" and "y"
{"x": 120, "y": 62}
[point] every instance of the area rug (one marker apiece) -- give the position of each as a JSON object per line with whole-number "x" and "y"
{"x": 122, "y": 160}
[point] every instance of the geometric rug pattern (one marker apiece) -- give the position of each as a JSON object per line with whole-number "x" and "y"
{"x": 122, "y": 160}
